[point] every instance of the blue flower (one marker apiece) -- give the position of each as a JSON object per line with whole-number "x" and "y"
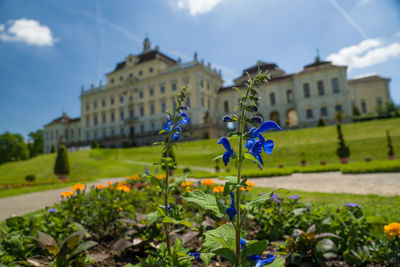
{"x": 242, "y": 243}
{"x": 227, "y": 118}
{"x": 177, "y": 133}
{"x": 269, "y": 259}
{"x": 229, "y": 153}
{"x": 256, "y": 150}
{"x": 168, "y": 125}
{"x": 231, "y": 211}
{"x": 265, "y": 126}
{"x": 52, "y": 210}
{"x": 184, "y": 118}
{"x": 294, "y": 197}
{"x": 351, "y": 205}
{"x": 257, "y": 119}
{"x": 196, "y": 255}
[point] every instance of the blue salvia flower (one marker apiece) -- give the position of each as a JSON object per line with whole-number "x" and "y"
{"x": 256, "y": 150}
{"x": 242, "y": 243}
{"x": 227, "y": 118}
{"x": 184, "y": 118}
{"x": 177, "y": 133}
{"x": 257, "y": 119}
{"x": 229, "y": 153}
{"x": 52, "y": 210}
{"x": 257, "y": 258}
{"x": 196, "y": 255}
{"x": 351, "y": 205}
{"x": 231, "y": 211}
{"x": 168, "y": 125}
{"x": 265, "y": 126}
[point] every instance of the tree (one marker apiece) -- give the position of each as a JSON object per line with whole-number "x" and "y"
{"x": 12, "y": 147}
{"x": 35, "y": 144}
{"x": 389, "y": 144}
{"x": 343, "y": 151}
{"x": 321, "y": 122}
{"x": 62, "y": 168}
{"x": 356, "y": 112}
{"x": 95, "y": 144}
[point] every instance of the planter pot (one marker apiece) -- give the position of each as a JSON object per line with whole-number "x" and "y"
{"x": 62, "y": 177}
{"x": 344, "y": 160}
{"x": 322, "y": 162}
{"x": 216, "y": 169}
{"x": 171, "y": 172}
{"x": 391, "y": 157}
{"x": 303, "y": 164}
{"x": 280, "y": 166}
{"x": 368, "y": 159}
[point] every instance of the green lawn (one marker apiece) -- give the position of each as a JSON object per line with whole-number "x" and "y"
{"x": 366, "y": 139}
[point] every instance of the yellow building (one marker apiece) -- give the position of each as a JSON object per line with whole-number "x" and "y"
{"x": 130, "y": 108}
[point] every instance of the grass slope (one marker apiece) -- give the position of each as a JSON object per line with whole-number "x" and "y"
{"x": 365, "y": 139}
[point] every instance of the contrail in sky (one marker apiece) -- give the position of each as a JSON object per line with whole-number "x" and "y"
{"x": 348, "y": 18}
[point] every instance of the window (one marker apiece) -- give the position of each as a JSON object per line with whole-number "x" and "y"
{"x": 226, "y": 106}
{"x": 140, "y": 72}
{"x": 309, "y": 114}
{"x": 122, "y": 131}
{"x": 95, "y": 134}
{"x": 142, "y": 128}
{"x": 104, "y": 118}
{"x": 87, "y": 135}
{"x": 306, "y": 89}
{"x": 151, "y": 91}
{"x": 104, "y": 133}
{"x": 130, "y": 75}
{"x": 324, "y": 112}
{"x": 87, "y": 107}
{"x": 202, "y": 102}
{"x": 103, "y": 103}
{"x": 131, "y": 113}
{"x": 87, "y": 123}
{"x": 208, "y": 86}
{"x": 112, "y": 116}
{"x": 121, "y": 78}
{"x": 112, "y": 81}
{"x": 95, "y": 120}
{"x": 112, "y": 132}
{"x": 152, "y": 126}
{"x": 289, "y": 96}
{"x": 95, "y": 105}
{"x": 272, "y": 99}
{"x": 112, "y": 101}
{"x": 335, "y": 85}
{"x": 338, "y": 108}
{"x": 72, "y": 132}
{"x": 201, "y": 84}
{"x": 121, "y": 99}
{"x": 163, "y": 108}
{"x": 121, "y": 115}
{"x": 130, "y": 98}
{"x": 173, "y": 86}
{"x": 150, "y": 70}
{"x": 162, "y": 89}
{"x": 141, "y": 111}
{"x": 379, "y": 101}
{"x": 141, "y": 94}
{"x": 66, "y": 134}
{"x": 208, "y": 103}
{"x": 320, "y": 86}
{"x": 152, "y": 109}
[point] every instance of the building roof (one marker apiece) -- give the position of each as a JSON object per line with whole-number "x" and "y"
{"x": 369, "y": 78}
{"x": 63, "y": 119}
{"x": 146, "y": 56}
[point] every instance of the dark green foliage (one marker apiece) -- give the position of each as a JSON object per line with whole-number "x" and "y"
{"x": 389, "y": 144}
{"x": 53, "y": 149}
{"x": 95, "y": 144}
{"x": 12, "y": 147}
{"x": 35, "y": 144}
{"x": 339, "y": 117}
{"x": 321, "y": 122}
{"x": 30, "y": 178}
{"x": 207, "y": 135}
{"x": 125, "y": 144}
{"x": 342, "y": 151}
{"x": 62, "y": 162}
{"x": 170, "y": 154}
{"x": 356, "y": 112}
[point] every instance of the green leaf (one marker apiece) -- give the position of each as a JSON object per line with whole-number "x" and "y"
{"x": 253, "y": 207}
{"x": 154, "y": 180}
{"x": 218, "y": 157}
{"x": 278, "y": 262}
{"x": 178, "y": 181}
{"x": 168, "y": 219}
{"x": 151, "y": 218}
{"x": 236, "y": 108}
{"x": 237, "y": 133}
{"x": 213, "y": 238}
{"x": 232, "y": 179}
{"x": 206, "y": 201}
{"x": 229, "y": 187}
{"x": 255, "y": 247}
{"x": 227, "y": 254}
{"x": 206, "y": 258}
{"x": 249, "y": 156}
{"x": 82, "y": 247}
{"x": 326, "y": 245}
{"x": 47, "y": 242}
{"x": 240, "y": 92}
{"x": 70, "y": 243}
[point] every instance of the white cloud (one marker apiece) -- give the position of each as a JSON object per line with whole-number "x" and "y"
{"x": 28, "y": 31}
{"x": 397, "y": 34}
{"x": 362, "y": 2}
{"x": 198, "y": 6}
{"x": 2, "y": 27}
{"x": 366, "y": 53}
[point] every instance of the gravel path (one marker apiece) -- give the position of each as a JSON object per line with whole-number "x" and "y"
{"x": 384, "y": 184}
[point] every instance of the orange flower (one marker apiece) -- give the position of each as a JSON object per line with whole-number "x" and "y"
{"x": 78, "y": 186}
{"x": 128, "y": 177}
{"x": 186, "y": 184}
{"x": 67, "y": 194}
{"x": 136, "y": 177}
{"x": 161, "y": 176}
{"x": 249, "y": 186}
{"x": 218, "y": 189}
{"x": 392, "y": 230}
{"x": 109, "y": 184}
{"x": 100, "y": 186}
{"x": 207, "y": 182}
{"x": 123, "y": 188}
{"x": 188, "y": 189}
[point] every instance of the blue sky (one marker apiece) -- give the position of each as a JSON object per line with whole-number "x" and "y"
{"x": 49, "y": 49}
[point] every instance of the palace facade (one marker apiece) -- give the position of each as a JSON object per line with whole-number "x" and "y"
{"x": 130, "y": 108}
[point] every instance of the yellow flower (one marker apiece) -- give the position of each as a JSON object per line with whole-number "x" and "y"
{"x": 186, "y": 184}
{"x": 218, "y": 189}
{"x": 207, "y": 182}
{"x": 249, "y": 186}
{"x": 120, "y": 208}
{"x": 188, "y": 189}
{"x": 136, "y": 177}
{"x": 78, "y": 186}
{"x": 392, "y": 230}
{"x": 123, "y": 188}
{"x": 161, "y": 176}
{"x": 67, "y": 194}
{"x": 109, "y": 184}
{"x": 128, "y": 177}
{"x": 100, "y": 186}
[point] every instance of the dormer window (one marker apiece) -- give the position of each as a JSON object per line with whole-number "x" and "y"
{"x": 140, "y": 72}
{"x": 150, "y": 70}
{"x": 121, "y": 78}
{"x": 130, "y": 59}
{"x": 130, "y": 75}
{"x": 112, "y": 81}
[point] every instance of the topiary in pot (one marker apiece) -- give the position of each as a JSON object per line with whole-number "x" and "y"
{"x": 321, "y": 122}
{"x": 95, "y": 144}
{"x": 390, "y": 146}
{"x": 62, "y": 168}
{"x": 30, "y": 178}
{"x": 343, "y": 151}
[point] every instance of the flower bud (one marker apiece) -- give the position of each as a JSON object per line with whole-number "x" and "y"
{"x": 227, "y": 118}
{"x": 257, "y": 119}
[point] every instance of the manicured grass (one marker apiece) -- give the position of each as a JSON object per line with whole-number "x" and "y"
{"x": 377, "y": 209}
{"x": 365, "y": 139}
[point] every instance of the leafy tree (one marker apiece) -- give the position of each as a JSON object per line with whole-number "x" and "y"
{"x": 62, "y": 163}
{"x": 95, "y": 144}
{"x": 356, "y": 111}
{"x": 389, "y": 144}
{"x": 321, "y": 122}
{"x": 342, "y": 151}
{"x": 35, "y": 145}
{"x": 12, "y": 147}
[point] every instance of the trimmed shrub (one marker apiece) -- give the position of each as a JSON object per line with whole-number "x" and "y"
{"x": 62, "y": 163}
{"x": 342, "y": 151}
{"x": 95, "y": 144}
{"x": 389, "y": 144}
{"x": 30, "y": 178}
{"x": 321, "y": 122}
{"x": 53, "y": 149}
